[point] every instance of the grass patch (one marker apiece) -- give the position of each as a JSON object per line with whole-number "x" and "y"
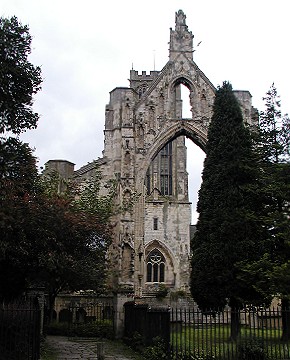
{"x": 215, "y": 340}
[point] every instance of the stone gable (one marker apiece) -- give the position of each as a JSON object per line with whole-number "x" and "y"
{"x": 144, "y": 150}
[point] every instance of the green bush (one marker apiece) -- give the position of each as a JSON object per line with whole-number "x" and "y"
{"x": 99, "y": 329}
{"x": 252, "y": 349}
{"x": 161, "y": 292}
{"x": 135, "y": 342}
{"x": 55, "y": 328}
{"x": 175, "y": 295}
{"x": 102, "y": 329}
{"x": 157, "y": 351}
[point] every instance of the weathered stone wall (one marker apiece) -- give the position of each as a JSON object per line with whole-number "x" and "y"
{"x": 140, "y": 120}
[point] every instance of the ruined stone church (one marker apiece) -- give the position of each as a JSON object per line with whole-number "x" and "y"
{"x": 144, "y": 150}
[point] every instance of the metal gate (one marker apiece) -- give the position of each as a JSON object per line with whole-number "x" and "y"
{"x": 147, "y": 322}
{"x": 20, "y": 330}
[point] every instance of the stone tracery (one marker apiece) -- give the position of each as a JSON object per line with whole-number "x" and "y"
{"x": 140, "y": 121}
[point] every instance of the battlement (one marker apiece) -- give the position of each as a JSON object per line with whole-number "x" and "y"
{"x": 134, "y": 75}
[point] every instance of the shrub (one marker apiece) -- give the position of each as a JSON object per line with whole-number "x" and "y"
{"x": 252, "y": 349}
{"x": 135, "y": 342}
{"x": 161, "y": 292}
{"x": 102, "y": 329}
{"x": 157, "y": 351}
{"x": 99, "y": 329}
{"x": 56, "y": 328}
{"x": 175, "y": 295}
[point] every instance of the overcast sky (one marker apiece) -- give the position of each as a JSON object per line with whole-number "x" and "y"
{"x": 87, "y": 48}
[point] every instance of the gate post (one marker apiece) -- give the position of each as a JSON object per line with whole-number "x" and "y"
{"x": 119, "y": 314}
{"x": 34, "y": 293}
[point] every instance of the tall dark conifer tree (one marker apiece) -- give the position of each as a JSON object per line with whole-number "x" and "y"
{"x": 227, "y": 229}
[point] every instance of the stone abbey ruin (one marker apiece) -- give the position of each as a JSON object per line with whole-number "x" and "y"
{"x": 144, "y": 150}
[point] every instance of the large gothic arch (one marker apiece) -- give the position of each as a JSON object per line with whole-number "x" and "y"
{"x": 175, "y": 129}
{"x": 144, "y": 151}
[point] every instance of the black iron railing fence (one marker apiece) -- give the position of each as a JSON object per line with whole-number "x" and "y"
{"x": 20, "y": 330}
{"x": 91, "y": 319}
{"x": 259, "y": 334}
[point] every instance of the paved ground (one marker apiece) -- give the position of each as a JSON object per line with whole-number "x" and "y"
{"x": 88, "y": 349}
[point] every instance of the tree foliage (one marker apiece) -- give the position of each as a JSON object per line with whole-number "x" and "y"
{"x": 228, "y": 229}
{"x": 52, "y": 240}
{"x": 18, "y": 177}
{"x": 272, "y": 270}
{"x": 55, "y": 239}
{"x": 19, "y": 79}
{"x": 17, "y": 166}
{"x": 274, "y": 131}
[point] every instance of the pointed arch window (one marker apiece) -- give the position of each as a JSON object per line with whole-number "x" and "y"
{"x": 155, "y": 266}
{"x": 162, "y": 165}
{"x": 166, "y": 169}
{"x": 148, "y": 180}
{"x": 155, "y": 223}
{"x": 141, "y": 90}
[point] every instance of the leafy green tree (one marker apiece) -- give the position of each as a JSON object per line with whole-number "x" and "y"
{"x": 18, "y": 177}
{"x": 272, "y": 270}
{"x": 57, "y": 240}
{"x": 228, "y": 229}
{"x": 52, "y": 239}
{"x": 17, "y": 166}
{"x": 19, "y": 79}
{"x": 75, "y": 226}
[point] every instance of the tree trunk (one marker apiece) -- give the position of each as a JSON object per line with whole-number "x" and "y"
{"x": 235, "y": 323}
{"x": 285, "y": 320}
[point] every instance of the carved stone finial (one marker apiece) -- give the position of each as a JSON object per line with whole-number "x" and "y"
{"x": 180, "y": 38}
{"x": 180, "y": 18}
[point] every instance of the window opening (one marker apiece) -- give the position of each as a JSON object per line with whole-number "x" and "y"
{"x": 162, "y": 162}
{"x": 155, "y": 223}
{"x": 155, "y": 267}
{"x": 166, "y": 169}
{"x": 148, "y": 181}
{"x": 186, "y": 107}
{"x": 194, "y": 166}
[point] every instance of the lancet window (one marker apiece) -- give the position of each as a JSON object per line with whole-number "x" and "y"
{"x": 162, "y": 165}
{"x": 166, "y": 170}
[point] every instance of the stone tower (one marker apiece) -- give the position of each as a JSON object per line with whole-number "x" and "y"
{"x": 144, "y": 149}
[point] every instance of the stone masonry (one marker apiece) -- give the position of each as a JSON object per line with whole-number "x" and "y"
{"x": 144, "y": 150}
